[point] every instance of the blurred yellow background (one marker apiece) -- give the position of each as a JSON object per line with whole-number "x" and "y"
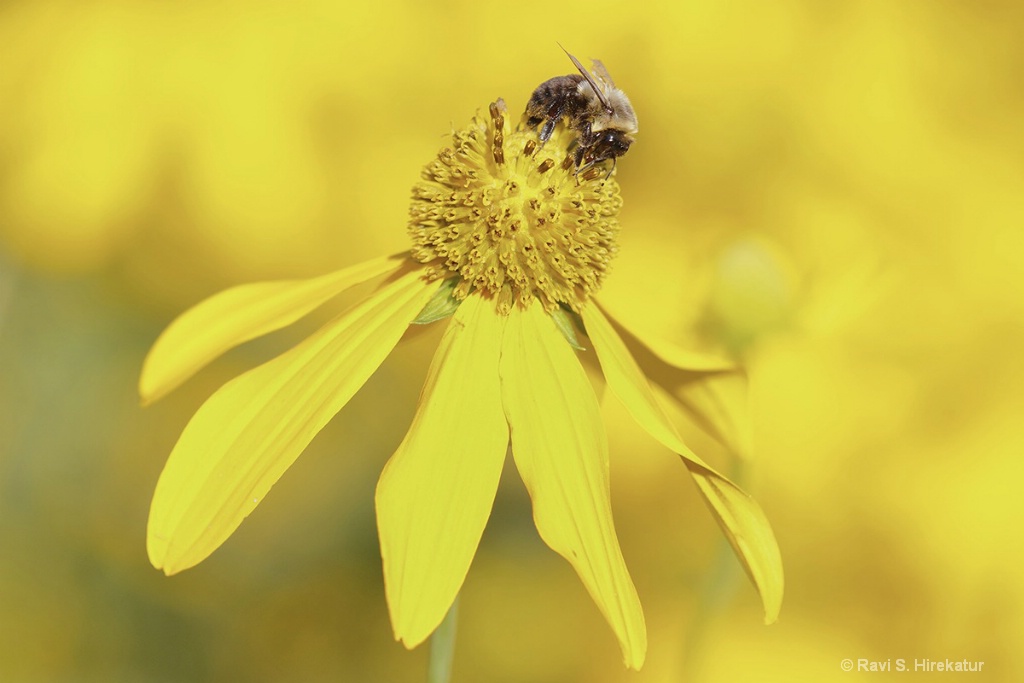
{"x": 834, "y": 190}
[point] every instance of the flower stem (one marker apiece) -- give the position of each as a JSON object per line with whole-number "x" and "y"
{"x": 442, "y": 647}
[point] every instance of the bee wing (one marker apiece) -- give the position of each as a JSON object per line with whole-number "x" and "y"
{"x": 590, "y": 79}
{"x": 602, "y": 74}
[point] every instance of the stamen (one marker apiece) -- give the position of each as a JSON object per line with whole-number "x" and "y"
{"x": 509, "y": 225}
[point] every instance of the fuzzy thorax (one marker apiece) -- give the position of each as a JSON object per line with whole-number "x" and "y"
{"x": 512, "y": 219}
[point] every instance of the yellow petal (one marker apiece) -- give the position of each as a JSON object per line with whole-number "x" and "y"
{"x": 676, "y": 356}
{"x": 253, "y": 428}
{"x": 239, "y": 314}
{"x": 436, "y": 493}
{"x": 711, "y": 389}
{"x": 740, "y": 517}
{"x": 561, "y": 451}
{"x": 717, "y": 402}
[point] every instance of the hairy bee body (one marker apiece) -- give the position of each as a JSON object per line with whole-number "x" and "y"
{"x": 599, "y": 113}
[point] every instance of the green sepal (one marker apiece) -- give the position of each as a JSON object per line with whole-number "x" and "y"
{"x": 567, "y": 322}
{"x": 441, "y": 305}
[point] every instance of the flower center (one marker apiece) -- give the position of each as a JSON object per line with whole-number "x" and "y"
{"x": 512, "y": 219}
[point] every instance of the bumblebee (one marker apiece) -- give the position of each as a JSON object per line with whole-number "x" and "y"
{"x": 599, "y": 113}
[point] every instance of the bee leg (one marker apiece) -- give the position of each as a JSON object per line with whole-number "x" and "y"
{"x": 547, "y": 129}
{"x": 578, "y": 158}
{"x": 590, "y": 164}
{"x": 550, "y": 116}
{"x": 615, "y": 161}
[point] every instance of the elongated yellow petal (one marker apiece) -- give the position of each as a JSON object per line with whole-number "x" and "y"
{"x": 676, "y": 356}
{"x": 253, "y": 428}
{"x": 711, "y": 389}
{"x": 239, "y": 314}
{"x": 561, "y": 451}
{"x": 717, "y": 402}
{"x": 436, "y": 493}
{"x": 740, "y": 517}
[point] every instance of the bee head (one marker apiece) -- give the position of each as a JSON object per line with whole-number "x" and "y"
{"x": 604, "y": 145}
{"x": 612, "y": 143}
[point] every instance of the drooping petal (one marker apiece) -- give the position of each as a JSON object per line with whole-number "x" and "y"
{"x": 710, "y": 389}
{"x": 435, "y": 494}
{"x": 239, "y": 314}
{"x": 561, "y": 451}
{"x": 740, "y": 517}
{"x": 253, "y": 428}
{"x": 717, "y": 402}
{"x": 674, "y": 355}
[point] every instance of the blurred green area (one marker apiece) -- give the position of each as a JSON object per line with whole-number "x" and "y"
{"x": 833, "y": 191}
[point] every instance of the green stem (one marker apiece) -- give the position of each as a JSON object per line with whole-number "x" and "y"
{"x": 442, "y": 647}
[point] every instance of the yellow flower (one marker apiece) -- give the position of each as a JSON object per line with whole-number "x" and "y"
{"x": 510, "y": 238}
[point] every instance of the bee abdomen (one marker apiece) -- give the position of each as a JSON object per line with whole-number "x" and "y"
{"x": 553, "y": 99}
